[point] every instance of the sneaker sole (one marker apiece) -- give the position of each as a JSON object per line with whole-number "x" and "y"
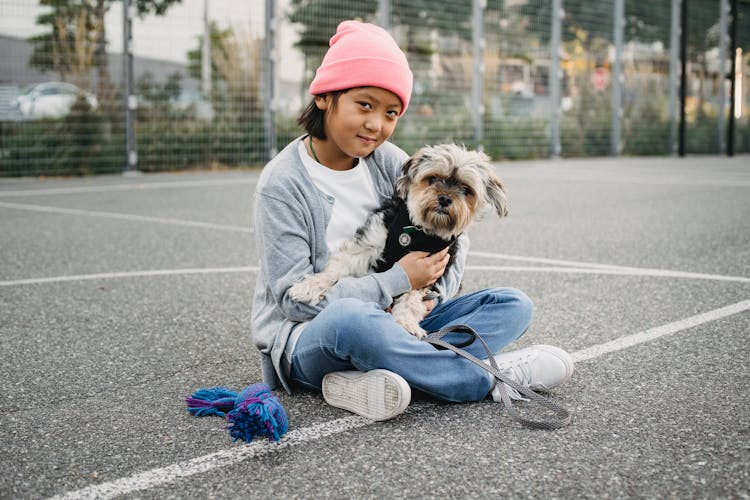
{"x": 563, "y": 356}
{"x": 376, "y": 395}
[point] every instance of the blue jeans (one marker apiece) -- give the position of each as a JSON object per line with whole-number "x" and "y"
{"x": 353, "y": 335}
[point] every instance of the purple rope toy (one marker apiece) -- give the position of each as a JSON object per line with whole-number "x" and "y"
{"x": 254, "y": 412}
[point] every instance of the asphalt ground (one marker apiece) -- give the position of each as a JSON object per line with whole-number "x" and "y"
{"x": 119, "y": 296}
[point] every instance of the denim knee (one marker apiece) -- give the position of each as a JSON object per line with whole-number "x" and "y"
{"x": 346, "y": 314}
{"x": 522, "y": 302}
{"x": 473, "y": 386}
{"x": 342, "y": 307}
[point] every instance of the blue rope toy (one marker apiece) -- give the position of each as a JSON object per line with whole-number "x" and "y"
{"x": 254, "y": 412}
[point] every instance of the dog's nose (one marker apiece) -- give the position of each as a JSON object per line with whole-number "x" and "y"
{"x": 444, "y": 200}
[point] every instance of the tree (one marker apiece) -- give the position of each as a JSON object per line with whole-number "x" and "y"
{"x": 644, "y": 22}
{"x": 236, "y": 93}
{"x": 318, "y": 20}
{"x": 417, "y": 24}
{"x": 77, "y": 39}
{"x": 236, "y": 71}
{"x": 220, "y": 40}
{"x": 70, "y": 46}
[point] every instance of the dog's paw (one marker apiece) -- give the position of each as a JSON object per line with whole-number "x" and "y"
{"x": 309, "y": 290}
{"x": 413, "y": 328}
{"x": 420, "y": 334}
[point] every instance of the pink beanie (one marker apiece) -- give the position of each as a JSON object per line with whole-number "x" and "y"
{"x": 363, "y": 55}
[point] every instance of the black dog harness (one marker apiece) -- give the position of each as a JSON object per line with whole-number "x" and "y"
{"x": 405, "y": 237}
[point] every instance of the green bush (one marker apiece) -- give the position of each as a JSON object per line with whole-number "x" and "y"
{"x": 517, "y": 139}
{"x": 742, "y": 137}
{"x": 81, "y": 143}
{"x": 645, "y": 130}
{"x": 170, "y": 145}
{"x": 587, "y": 130}
{"x": 85, "y": 142}
{"x": 647, "y": 138}
{"x": 701, "y": 135}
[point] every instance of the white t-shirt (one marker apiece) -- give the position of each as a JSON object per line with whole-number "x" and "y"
{"x": 354, "y": 195}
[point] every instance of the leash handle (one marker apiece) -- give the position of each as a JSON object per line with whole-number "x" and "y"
{"x": 562, "y": 415}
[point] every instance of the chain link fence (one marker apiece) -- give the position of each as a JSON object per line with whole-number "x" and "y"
{"x": 94, "y": 86}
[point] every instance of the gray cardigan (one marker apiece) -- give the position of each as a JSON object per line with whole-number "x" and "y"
{"x": 291, "y": 216}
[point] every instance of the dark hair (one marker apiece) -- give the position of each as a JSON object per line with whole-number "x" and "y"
{"x": 312, "y": 118}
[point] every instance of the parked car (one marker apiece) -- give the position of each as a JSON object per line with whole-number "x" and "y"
{"x": 50, "y": 100}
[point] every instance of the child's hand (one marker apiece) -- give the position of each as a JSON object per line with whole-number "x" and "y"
{"x": 424, "y": 269}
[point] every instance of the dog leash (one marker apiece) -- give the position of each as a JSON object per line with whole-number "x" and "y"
{"x": 561, "y": 417}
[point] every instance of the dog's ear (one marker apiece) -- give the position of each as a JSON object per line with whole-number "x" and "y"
{"x": 496, "y": 195}
{"x": 402, "y": 183}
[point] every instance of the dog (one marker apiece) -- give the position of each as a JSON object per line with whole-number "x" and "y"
{"x": 442, "y": 189}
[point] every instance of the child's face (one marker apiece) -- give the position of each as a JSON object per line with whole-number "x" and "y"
{"x": 362, "y": 119}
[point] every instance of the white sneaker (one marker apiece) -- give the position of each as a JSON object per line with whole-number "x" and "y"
{"x": 539, "y": 367}
{"x": 377, "y": 394}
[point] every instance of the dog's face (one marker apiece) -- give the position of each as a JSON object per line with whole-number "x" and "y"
{"x": 446, "y": 186}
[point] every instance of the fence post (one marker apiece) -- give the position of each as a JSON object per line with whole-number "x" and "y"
{"x": 681, "y": 147}
{"x": 674, "y": 37}
{"x": 269, "y": 97}
{"x": 723, "y": 78}
{"x": 554, "y": 78}
{"x": 477, "y": 86}
{"x": 733, "y": 76}
{"x": 206, "y": 77}
{"x": 384, "y": 14}
{"x": 617, "y": 77}
{"x": 131, "y": 100}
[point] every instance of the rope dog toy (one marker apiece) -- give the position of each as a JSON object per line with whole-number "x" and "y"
{"x": 254, "y": 412}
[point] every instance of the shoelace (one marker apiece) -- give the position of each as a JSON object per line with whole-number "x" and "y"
{"x": 504, "y": 384}
{"x": 518, "y": 372}
{"x": 521, "y": 371}
{"x": 497, "y": 393}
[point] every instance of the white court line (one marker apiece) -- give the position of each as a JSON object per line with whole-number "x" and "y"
{"x": 739, "y": 181}
{"x": 542, "y": 260}
{"x": 130, "y": 274}
{"x": 121, "y": 216}
{"x": 171, "y": 473}
{"x": 166, "y": 475}
{"x": 626, "y": 270}
{"x": 124, "y": 187}
{"x": 245, "y": 269}
{"x": 616, "y": 271}
{"x": 659, "y": 331}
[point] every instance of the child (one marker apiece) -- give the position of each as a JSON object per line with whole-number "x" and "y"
{"x": 315, "y": 194}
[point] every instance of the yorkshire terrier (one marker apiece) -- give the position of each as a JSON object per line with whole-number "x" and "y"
{"x": 441, "y": 191}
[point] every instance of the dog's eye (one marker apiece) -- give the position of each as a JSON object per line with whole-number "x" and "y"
{"x": 468, "y": 191}
{"x": 433, "y": 179}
